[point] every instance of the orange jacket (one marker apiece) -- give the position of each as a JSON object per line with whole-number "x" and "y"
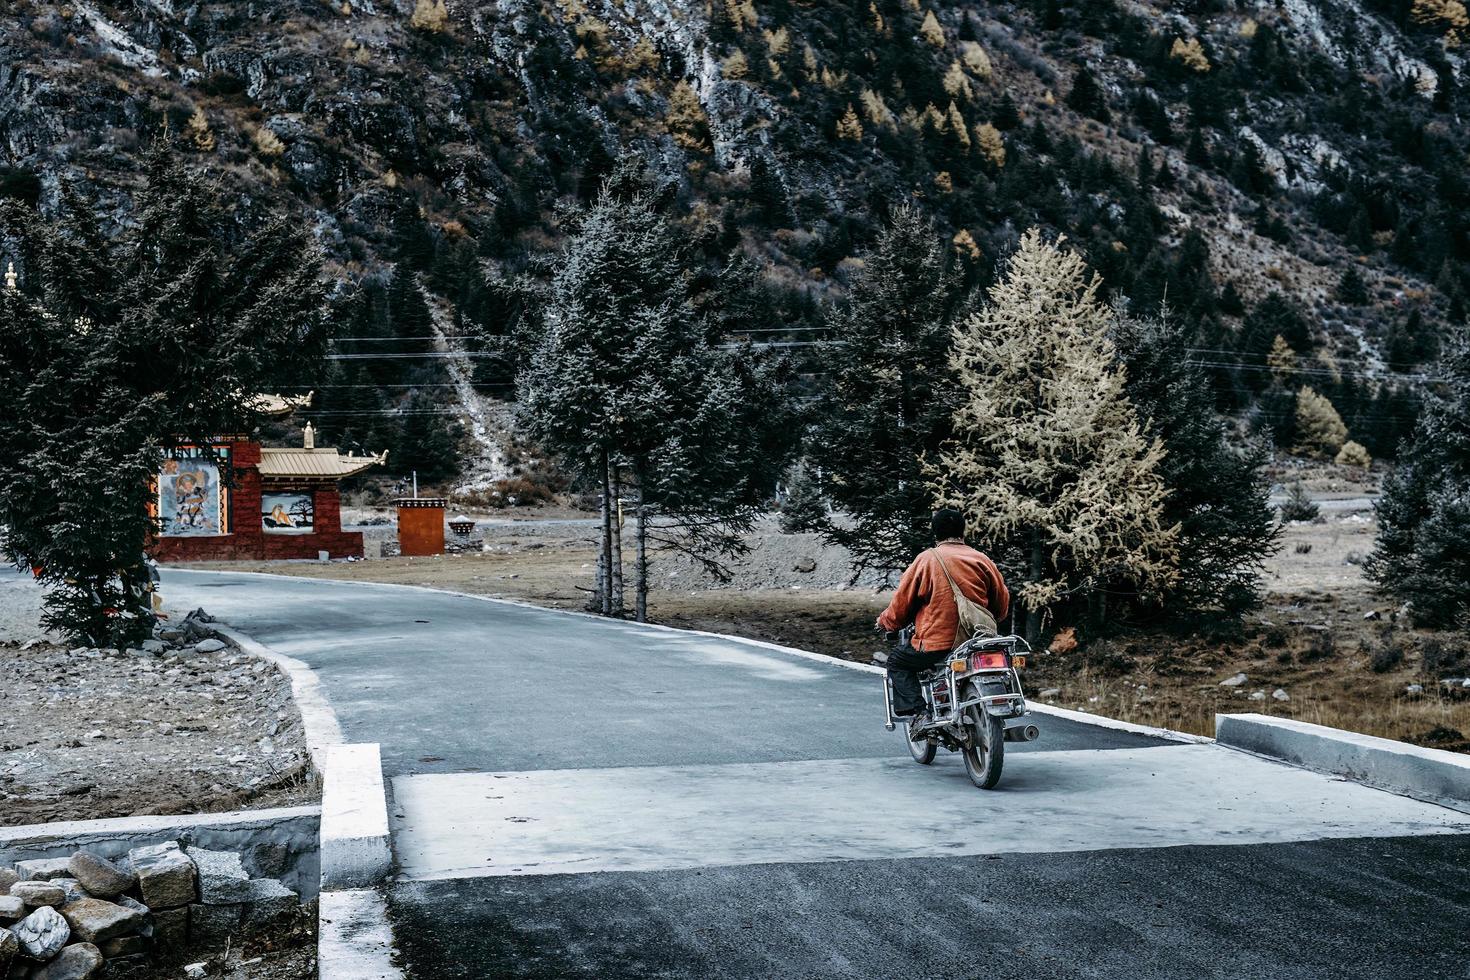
{"x": 924, "y": 597}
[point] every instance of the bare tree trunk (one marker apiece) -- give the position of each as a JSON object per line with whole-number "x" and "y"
{"x": 1033, "y": 615}
{"x": 640, "y": 601}
{"x": 615, "y": 561}
{"x": 604, "y": 572}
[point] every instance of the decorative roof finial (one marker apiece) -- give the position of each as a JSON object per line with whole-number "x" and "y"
{"x": 309, "y": 438}
{"x": 10, "y": 278}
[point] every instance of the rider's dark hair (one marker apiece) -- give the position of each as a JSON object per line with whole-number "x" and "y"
{"x": 948, "y": 523}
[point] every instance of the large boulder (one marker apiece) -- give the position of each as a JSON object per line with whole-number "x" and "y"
{"x": 100, "y": 877}
{"x": 38, "y": 893}
{"x": 12, "y": 909}
{"x": 82, "y": 961}
{"x": 8, "y": 877}
{"x": 42, "y": 933}
{"x": 165, "y": 874}
{"x": 93, "y": 920}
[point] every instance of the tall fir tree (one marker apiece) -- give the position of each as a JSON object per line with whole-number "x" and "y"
{"x": 184, "y": 317}
{"x": 1218, "y": 494}
{"x": 1422, "y": 554}
{"x": 890, "y": 396}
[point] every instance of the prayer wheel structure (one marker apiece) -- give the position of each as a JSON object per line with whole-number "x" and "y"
{"x": 421, "y": 526}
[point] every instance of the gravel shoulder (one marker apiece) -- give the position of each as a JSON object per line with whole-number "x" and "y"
{"x": 88, "y": 734}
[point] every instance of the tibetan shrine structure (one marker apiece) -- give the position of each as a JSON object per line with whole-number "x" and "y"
{"x": 248, "y": 501}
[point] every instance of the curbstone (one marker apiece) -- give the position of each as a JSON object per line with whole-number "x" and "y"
{"x": 356, "y": 940}
{"x": 354, "y": 830}
{"x": 1431, "y": 775}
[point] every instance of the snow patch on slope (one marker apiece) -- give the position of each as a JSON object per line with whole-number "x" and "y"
{"x": 489, "y": 463}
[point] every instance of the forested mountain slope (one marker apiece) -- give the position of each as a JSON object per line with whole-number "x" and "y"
{"x": 1211, "y": 154}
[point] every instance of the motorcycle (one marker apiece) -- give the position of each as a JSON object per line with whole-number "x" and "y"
{"x": 974, "y": 705}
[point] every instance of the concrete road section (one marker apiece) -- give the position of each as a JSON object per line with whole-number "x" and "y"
{"x": 662, "y": 818}
{"x": 580, "y": 798}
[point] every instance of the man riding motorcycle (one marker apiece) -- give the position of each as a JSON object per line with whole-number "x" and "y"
{"x": 926, "y": 598}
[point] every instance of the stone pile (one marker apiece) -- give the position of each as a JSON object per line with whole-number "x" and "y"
{"x": 72, "y": 918}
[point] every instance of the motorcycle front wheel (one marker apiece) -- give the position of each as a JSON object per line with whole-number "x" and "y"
{"x": 986, "y": 754}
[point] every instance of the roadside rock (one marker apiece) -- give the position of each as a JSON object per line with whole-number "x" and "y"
{"x": 211, "y": 926}
{"x": 171, "y": 927}
{"x": 165, "y": 874}
{"x": 38, "y": 893}
{"x": 92, "y": 920}
{"x": 43, "y": 869}
{"x": 269, "y": 900}
{"x": 1049, "y": 693}
{"x": 222, "y": 878}
{"x": 99, "y": 876}
{"x": 1258, "y": 695}
{"x": 155, "y": 646}
{"x": 12, "y": 909}
{"x": 1235, "y": 681}
{"x": 805, "y": 566}
{"x": 1280, "y": 694}
{"x": 209, "y": 646}
{"x": 82, "y": 961}
{"x": 8, "y": 877}
{"x": 42, "y": 933}
{"x": 1414, "y": 689}
{"x": 9, "y": 948}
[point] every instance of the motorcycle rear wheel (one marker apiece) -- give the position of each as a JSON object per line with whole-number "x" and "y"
{"x": 985, "y": 758}
{"x": 922, "y": 751}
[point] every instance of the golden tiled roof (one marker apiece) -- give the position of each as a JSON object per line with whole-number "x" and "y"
{"x": 321, "y": 464}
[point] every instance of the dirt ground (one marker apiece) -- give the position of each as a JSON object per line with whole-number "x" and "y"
{"x": 1310, "y": 640}
{"x": 87, "y": 734}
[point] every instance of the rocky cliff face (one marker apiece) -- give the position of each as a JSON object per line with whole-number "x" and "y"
{"x": 1210, "y": 151}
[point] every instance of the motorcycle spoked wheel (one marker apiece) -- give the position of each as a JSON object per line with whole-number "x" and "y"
{"x": 923, "y": 750}
{"x": 985, "y": 756}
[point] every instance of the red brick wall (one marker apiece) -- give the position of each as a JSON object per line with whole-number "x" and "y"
{"x": 248, "y": 540}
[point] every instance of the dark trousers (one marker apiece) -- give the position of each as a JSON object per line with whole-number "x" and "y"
{"x": 904, "y": 665}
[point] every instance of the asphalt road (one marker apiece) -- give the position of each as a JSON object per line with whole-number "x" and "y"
{"x": 573, "y": 797}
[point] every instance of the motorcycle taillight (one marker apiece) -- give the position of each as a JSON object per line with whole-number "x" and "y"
{"x": 988, "y": 661}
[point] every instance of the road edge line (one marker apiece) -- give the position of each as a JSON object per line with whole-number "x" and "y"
{"x": 1084, "y": 717}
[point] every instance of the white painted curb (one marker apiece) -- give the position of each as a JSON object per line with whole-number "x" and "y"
{"x": 318, "y": 720}
{"x": 1085, "y": 717}
{"x": 1432, "y": 775}
{"x": 356, "y": 939}
{"x": 355, "y": 849}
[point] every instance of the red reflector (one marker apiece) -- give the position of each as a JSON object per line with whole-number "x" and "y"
{"x": 988, "y": 661}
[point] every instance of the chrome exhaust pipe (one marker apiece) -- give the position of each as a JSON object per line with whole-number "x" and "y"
{"x": 1022, "y": 733}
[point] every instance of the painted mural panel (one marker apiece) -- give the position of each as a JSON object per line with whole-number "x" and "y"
{"x": 191, "y": 498}
{"x": 287, "y": 513}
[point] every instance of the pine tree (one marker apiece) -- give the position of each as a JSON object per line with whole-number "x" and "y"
{"x": 1049, "y": 460}
{"x": 1087, "y": 97}
{"x": 625, "y": 384}
{"x": 1218, "y": 495}
{"x": 428, "y": 442}
{"x": 183, "y": 319}
{"x": 1422, "y": 554}
{"x": 804, "y": 509}
{"x": 1351, "y": 289}
{"x": 890, "y": 395}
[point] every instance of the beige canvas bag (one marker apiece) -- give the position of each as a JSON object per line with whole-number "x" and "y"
{"x": 974, "y": 618}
